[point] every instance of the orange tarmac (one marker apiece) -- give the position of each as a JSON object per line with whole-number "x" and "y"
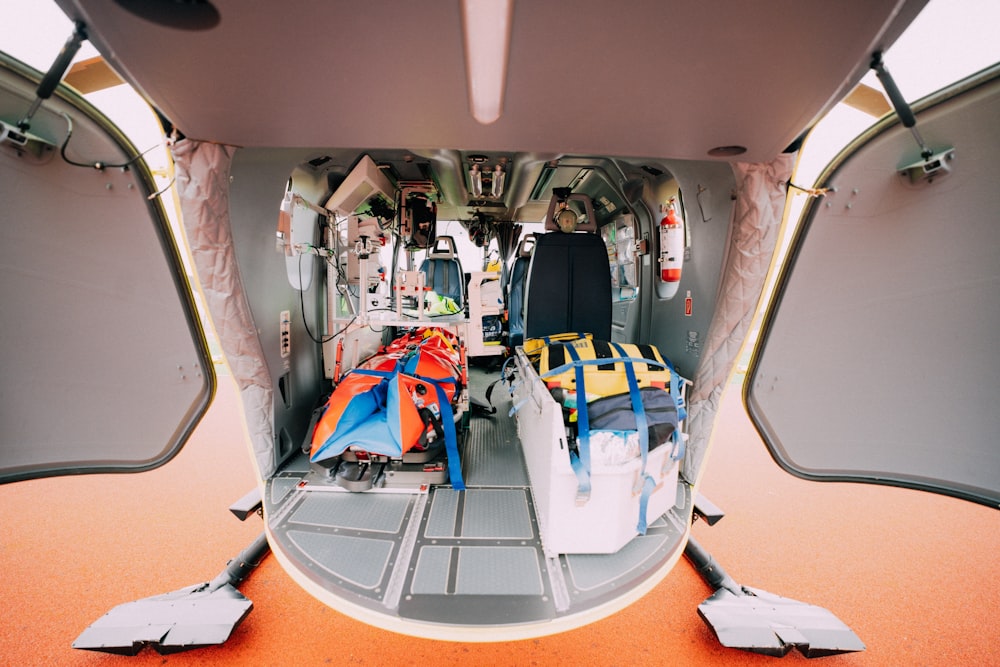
{"x": 915, "y": 575}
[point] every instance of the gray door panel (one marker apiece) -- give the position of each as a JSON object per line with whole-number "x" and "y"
{"x": 879, "y": 359}
{"x": 104, "y": 365}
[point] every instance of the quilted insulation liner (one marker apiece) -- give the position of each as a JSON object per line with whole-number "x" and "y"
{"x": 202, "y": 171}
{"x": 761, "y": 190}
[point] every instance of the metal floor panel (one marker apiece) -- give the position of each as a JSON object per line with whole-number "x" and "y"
{"x": 498, "y": 571}
{"x": 445, "y": 558}
{"x": 442, "y": 520}
{"x": 497, "y": 514}
{"x": 431, "y": 574}
{"x": 353, "y": 510}
{"x": 360, "y": 561}
{"x": 280, "y": 487}
{"x": 591, "y": 571}
{"x": 492, "y": 453}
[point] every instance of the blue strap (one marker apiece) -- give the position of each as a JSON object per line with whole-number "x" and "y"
{"x": 447, "y": 417}
{"x": 674, "y": 377}
{"x": 517, "y": 406}
{"x": 448, "y": 423}
{"x": 677, "y": 453}
{"x": 603, "y": 362}
{"x": 504, "y": 375}
{"x": 581, "y": 463}
{"x": 675, "y": 391}
{"x": 648, "y": 486}
{"x": 675, "y": 388}
{"x": 513, "y": 385}
{"x": 507, "y": 362}
{"x": 642, "y": 426}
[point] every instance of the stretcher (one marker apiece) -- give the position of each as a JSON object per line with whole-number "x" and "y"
{"x": 400, "y": 400}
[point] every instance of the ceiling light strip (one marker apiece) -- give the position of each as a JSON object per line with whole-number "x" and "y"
{"x": 486, "y": 27}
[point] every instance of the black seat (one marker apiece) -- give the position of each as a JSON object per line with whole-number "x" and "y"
{"x": 568, "y": 287}
{"x": 515, "y": 289}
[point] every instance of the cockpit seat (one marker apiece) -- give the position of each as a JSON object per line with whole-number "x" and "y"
{"x": 443, "y": 271}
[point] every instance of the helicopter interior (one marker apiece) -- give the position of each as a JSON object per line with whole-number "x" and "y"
{"x": 321, "y": 155}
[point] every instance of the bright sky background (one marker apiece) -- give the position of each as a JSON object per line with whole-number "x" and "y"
{"x": 949, "y": 40}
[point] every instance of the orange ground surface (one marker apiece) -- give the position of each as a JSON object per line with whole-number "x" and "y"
{"x": 915, "y": 575}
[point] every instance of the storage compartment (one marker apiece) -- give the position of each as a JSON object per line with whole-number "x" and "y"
{"x": 485, "y": 335}
{"x": 608, "y": 519}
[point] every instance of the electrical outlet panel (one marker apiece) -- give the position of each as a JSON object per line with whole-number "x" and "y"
{"x": 286, "y": 334}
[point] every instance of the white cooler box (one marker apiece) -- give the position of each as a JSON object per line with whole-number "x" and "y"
{"x": 608, "y": 520}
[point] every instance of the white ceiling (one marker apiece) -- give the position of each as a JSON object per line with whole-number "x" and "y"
{"x": 645, "y": 78}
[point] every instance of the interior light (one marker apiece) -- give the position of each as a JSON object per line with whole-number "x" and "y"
{"x": 486, "y": 26}
{"x": 476, "y": 181}
{"x": 498, "y": 179}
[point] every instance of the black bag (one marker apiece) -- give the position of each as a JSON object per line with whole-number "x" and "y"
{"x": 614, "y": 413}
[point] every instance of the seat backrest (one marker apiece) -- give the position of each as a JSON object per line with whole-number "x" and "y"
{"x": 568, "y": 287}
{"x": 443, "y": 271}
{"x": 515, "y": 289}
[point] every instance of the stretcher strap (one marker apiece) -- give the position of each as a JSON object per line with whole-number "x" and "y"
{"x": 447, "y": 419}
{"x": 577, "y": 361}
{"x": 677, "y": 453}
{"x": 675, "y": 386}
{"x": 508, "y": 377}
{"x": 675, "y": 391}
{"x": 581, "y": 463}
{"x": 447, "y": 416}
{"x": 642, "y": 425}
{"x": 450, "y": 438}
{"x": 514, "y": 408}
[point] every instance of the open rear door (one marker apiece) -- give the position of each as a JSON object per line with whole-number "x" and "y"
{"x": 103, "y": 363}
{"x": 879, "y": 360}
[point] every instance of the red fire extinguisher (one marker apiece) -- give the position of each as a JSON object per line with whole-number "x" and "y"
{"x": 671, "y": 247}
